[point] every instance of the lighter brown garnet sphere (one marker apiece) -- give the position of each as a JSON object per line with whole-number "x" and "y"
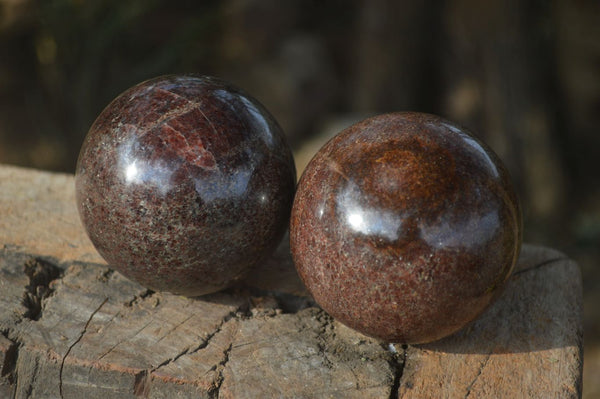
{"x": 404, "y": 227}
{"x": 184, "y": 183}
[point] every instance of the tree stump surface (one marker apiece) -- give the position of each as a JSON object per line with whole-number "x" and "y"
{"x": 73, "y": 328}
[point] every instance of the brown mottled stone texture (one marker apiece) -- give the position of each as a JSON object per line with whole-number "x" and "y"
{"x": 184, "y": 183}
{"x": 405, "y": 227}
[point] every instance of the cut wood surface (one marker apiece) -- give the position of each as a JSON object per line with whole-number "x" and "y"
{"x": 73, "y": 328}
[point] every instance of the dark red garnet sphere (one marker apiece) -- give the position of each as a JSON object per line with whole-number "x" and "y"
{"x": 404, "y": 227}
{"x": 184, "y": 183}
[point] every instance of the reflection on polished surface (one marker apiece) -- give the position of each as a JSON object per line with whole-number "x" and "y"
{"x": 184, "y": 183}
{"x": 364, "y": 219}
{"x": 471, "y": 232}
{"x": 404, "y": 227}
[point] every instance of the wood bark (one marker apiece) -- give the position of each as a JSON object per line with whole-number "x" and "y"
{"x": 73, "y": 328}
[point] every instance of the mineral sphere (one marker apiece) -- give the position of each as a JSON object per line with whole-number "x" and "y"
{"x": 184, "y": 183}
{"x": 405, "y": 227}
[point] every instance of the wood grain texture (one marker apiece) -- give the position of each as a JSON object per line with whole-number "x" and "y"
{"x": 71, "y": 327}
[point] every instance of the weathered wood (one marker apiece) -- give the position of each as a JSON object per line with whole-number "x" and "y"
{"x": 528, "y": 344}
{"x": 72, "y": 328}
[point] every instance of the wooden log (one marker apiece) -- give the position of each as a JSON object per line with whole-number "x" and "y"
{"x": 72, "y": 328}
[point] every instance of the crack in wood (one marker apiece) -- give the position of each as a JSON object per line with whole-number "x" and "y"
{"x": 29, "y": 390}
{"x": 139, "y": 382}
{"x": 8, "y": 367}
{"x": 230, "y": 316}
{"x": 141, "y": 385}
{"x": 397, "y": 362}
{"x": 481, "y": 367}
{"x": 215, "y": 390}
{"x": 70, "y": 348}
{"x": 41, "y": 274}
{"x": 112, "y": 348}
{"x": 540, "y": 265}
{"x": 175, "y": 327}
{"x": 171, "y": 359}
{"x": 15, "y": 384}
{"x": 143, "y": 379}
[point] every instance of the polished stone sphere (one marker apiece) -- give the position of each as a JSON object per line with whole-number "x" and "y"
{"x": 405, "y": 227}
{"x": 184, "y": 183}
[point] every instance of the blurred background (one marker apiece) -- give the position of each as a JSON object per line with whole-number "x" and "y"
{"x": 523, "y": 75}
